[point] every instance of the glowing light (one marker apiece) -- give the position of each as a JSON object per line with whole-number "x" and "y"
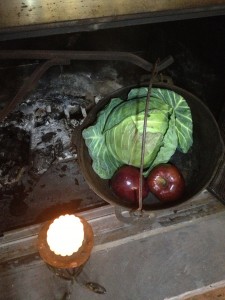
{"x": 65, "y": 235}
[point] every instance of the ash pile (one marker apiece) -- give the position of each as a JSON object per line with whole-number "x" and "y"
{"x": 38, "y": 133}
{"x": 40, "y": 176}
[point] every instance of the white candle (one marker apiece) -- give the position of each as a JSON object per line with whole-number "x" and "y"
{"x": 65, "y": 235}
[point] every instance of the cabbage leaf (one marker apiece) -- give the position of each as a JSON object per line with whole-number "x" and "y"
{"x": 168, "y": 148}
{"x": 133, "y": 107}
{"x": 183, "y": 119}
{"x": 103, "y": 163}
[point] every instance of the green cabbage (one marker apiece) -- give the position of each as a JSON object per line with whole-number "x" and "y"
{"x": 124, "y": 141}
{"x": 116, "y": 137}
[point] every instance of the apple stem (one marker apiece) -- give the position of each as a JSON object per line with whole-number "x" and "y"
{"x": 154, "y": 72}
{"x": 162, "y": 181}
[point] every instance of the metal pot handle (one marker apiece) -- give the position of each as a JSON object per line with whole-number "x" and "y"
{"x": 130, "y": 216}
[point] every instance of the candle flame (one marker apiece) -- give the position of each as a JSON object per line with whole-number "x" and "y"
{"x": 65, "y": 235}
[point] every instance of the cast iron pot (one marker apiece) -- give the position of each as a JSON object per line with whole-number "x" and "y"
{"x": 198, "y": 166}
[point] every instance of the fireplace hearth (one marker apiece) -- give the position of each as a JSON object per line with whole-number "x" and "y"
{"x": 51, "y": 91}
{"x": 40, "y": 177}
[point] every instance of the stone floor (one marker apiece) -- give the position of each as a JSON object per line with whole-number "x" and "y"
{"x": 152, "y": 265}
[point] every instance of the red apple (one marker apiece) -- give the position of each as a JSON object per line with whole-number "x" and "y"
{"x": 125, "y": 184}
{"x": 166, "y": 182}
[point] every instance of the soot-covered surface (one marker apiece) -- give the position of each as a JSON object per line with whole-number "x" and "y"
{"x": 40, "y": 177}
